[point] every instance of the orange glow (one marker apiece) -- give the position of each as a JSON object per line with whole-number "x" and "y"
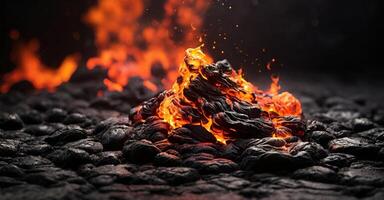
{"x": 130, "y": 45}
{"x": 30, "y": 68}
{"x": 272, "y": 102}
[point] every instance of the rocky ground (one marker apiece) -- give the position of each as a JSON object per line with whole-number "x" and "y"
{"x": 72, "y": 145}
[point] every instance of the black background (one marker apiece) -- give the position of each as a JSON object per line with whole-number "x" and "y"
{"x": 341, "y": 38}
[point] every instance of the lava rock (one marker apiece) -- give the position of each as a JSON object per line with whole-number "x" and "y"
{"x": 338, "y": 159}
{"x": 321, "y": 137}
{"x": 114, "y": 137}
{"x": 8, "y": 147}
{"x": 362, "y": 124}
{"x": 35, "y": 148}
{"x": 268, "y": 161}
{"x": 108, "y": 123}
{"x": 31, "y": 117}
{"x": 230, "y": 182}
{"x": 74, "y": 118}
{"x": 11, "y": 171}
{"x": 316, "y": 173}
{"x": 39, "y": 130}
{"x": 191, "y": 134}
{"x": 207, "y": 163}
{"x": 87, "y": 145}
{"x": 69, "y": 157}
{"x": 355, "y": 146}
{"x": 31, "y": 162}
{"x": 363, "y": 173}
{"x": 150, "y": 127}
{"x": 65, "y": 135}
{"x": 375, "y": 134}
{"x": 177, "y": 175}
{"x": 210, "y": 148}
{"x": 140, "y": 151}
{"x": 315, "y": 150}
{"x": 109, "y": 158}
{"x": 55, "y": 115}
{"x": 167, "y": 160}
{"x": 10, "y": 122}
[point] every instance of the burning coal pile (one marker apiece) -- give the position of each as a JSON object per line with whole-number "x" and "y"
{"x": 130, "y": 124}
{"x": 216, "y": 97}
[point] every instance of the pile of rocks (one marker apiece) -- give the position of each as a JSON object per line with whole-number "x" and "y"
{"x": 68, "y": 145}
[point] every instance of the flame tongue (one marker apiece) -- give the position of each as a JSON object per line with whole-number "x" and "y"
{"x": 219, "y": 99}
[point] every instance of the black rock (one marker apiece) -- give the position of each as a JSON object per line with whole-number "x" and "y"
{"x": 10, "y": 122}
{"x": 316, "y": 173}
{"x": 55, "y": 115}
{"x": 8, "y": 147}
{"x": 375, "y": 134}
{"x": 191, "y": 134}
{"x": 230, "y": 182}
{"x": 75, "y": 118}
{"x": 313, "y": 149}
{"x": 177, "y": 175}
{"x": 31, "y": 162}
{"x": 321, "y": 137}
{"x": 88, "y": 145}
{"x": 11, "y": 170}
{"x": 362, "y": 124}
{"x": 65, "y": 135}
{"x": 140, "y": 151}
{"x": 114, "y": 137}
{"x": 207, "y": 163}
{"x": 355, "y": 146}
{"x": 31, "y": 117}
{"x": 269, "y": 161}
{"x": 167, "y": 160}
{"x": 35, "y": 148}
{"x": 109, "y": 157}
{"x": 338, "y": 159}
{"x": 39, "y": 130}
{"x": 69, "y": 157}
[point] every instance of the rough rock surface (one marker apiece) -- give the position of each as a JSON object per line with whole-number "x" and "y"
{"x": 71, "y": 144}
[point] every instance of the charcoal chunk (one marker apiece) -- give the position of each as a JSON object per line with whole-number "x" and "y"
{"x": 114, "y": 137}
{"x": 206, "y": 163}
{"x": 142, "y": 151}
{"x": 87, "y": 145}
{"x": 65, "y": 135}
{"x": 69, "y": 157}
{"x": 321, "y": 137}
{"x": 355, "y": 146}
{"x": 167, "y": 160}
{"x": 177, "y": 175}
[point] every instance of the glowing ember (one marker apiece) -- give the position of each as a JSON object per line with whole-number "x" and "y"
{"x": 130, "y": 45}
{"x": 218, "y": 98}
{"x": 30, "y": 68}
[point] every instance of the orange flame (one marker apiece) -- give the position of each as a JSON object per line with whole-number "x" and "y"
{"x": 31, "y": 68}
{"x": 130, "y": 45}
{"x": 272, "y": 102}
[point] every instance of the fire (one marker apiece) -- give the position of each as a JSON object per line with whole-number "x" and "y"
{"x": 130, "y": 45}
{"x": 272, "y": 102}
{"x": 31, "y": 68}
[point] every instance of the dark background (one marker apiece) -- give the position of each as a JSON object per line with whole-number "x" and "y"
{"x": 340, "y": 38}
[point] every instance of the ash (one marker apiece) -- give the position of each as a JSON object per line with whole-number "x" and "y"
{"x": 70, "y": 144}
